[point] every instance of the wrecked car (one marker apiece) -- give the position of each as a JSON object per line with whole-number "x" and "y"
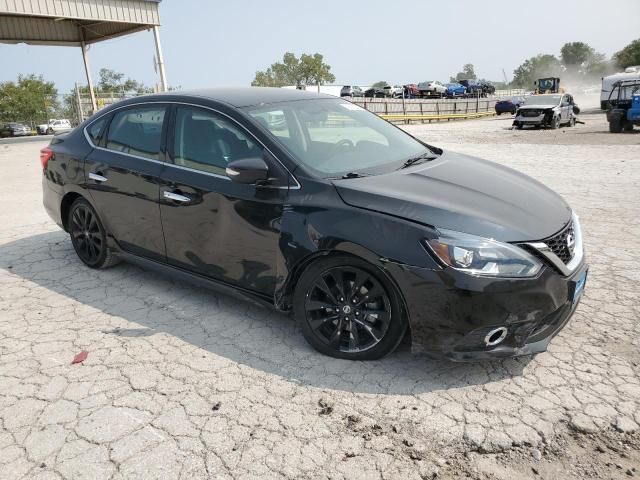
{"x": 549, "y": 110}
{"x": 311, "y": 205}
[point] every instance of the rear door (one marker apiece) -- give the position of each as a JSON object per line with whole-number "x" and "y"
{"x": 123, "y": 176}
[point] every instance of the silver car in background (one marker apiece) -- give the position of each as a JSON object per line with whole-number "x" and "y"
{"x": 548, "y": 110}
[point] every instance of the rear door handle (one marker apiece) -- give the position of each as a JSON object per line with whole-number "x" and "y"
{"x": 97, "y": 177}
{"x": 176, "y": 197}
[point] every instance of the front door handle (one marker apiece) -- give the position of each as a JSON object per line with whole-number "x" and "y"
{"x": 176, "y": 197}
{"x": 97, "y": 177}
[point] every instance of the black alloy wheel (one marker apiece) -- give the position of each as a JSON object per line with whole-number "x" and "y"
{"x": 347, "y": 311}
{"x": 88, "y": 236}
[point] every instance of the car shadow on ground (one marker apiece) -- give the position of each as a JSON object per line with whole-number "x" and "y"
{"x": 140, "y": 303}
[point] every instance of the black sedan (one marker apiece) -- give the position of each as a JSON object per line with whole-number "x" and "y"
{"x": 312, "y": 205}
{"x": 14, "y": 129}
{"x": 375, "y": 93}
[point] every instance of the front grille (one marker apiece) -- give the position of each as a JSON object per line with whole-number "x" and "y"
{"x": 559, "y": 244}
{"x": 530, "y": 113}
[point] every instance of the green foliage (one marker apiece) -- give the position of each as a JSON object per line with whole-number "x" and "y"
{"x": 580, "y": 58}
{"x": 111, "y": 81}
{"x": 303, "y": 71}
{"x": 468, "y": 73}
{"x": 576, "y": 54}
{"x": 31, "y": 99}
{"x": 544, "y": 65}
{"x": 380, "y": 84}
{"x": 629, "y": 55}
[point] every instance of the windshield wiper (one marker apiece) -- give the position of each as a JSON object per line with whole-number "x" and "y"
{"x": 349, "y": 175}
{"x": 412, "y": 161}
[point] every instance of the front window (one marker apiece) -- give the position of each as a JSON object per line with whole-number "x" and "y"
{"x": 206, "y": 141}
{"x": 332, "y": 137}
{"x": 550, "y": 100}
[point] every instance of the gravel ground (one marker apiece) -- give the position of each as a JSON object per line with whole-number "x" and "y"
{"x": 185, "y": 383}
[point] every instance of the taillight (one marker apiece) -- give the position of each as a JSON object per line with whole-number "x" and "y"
{"x": 45, "y": 156}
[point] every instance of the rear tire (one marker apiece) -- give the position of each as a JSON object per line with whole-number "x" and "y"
{"x": 615, "y": 125}
{"x": 88, "y": 236}
{"x": 348, "y": 309}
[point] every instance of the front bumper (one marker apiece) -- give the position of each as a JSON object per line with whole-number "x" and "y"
{"x": 451, "y": 313}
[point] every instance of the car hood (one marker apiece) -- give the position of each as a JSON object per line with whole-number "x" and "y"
{"x": 465, "y": 194}
{"x": 537, "y": 107}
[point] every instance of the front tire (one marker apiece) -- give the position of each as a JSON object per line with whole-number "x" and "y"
{"x": 88, "y": 236}
{"x": 348, "y": 309}
{"x": 555, "y": 123}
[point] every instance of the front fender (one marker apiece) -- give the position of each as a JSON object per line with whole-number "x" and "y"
{"x": 312, "y": 231}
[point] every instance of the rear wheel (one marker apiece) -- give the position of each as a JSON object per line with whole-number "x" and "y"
{"x": 615, "y": 125}
{"x": 348, "y": 310}
{"x": 88, "y": 236}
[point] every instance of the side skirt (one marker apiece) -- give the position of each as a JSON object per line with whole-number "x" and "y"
{"x": 197, "y": 280}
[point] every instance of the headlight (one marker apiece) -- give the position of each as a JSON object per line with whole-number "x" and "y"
{"x": 483, "y": 256}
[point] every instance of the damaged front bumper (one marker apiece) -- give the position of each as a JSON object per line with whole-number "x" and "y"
{"x": 459, "y": 316}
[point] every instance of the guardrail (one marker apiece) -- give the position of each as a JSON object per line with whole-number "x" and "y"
{"x": 426, "y": 110}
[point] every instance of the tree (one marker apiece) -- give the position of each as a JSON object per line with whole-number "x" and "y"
{"x": 31, "y": 99}
{"x": 578, "y": 57}
{"x": 112, "y": 82}
{"x": 468, "y": 73}
{"x": 380, "y": 84}
{"x": 576, "y": 54}
{"x": 629, "y": 55}
{"x": 540, "y": 66}
{"x": 303, "y": 71}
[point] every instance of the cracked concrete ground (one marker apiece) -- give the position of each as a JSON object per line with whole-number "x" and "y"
{"x": 182, "y": 382}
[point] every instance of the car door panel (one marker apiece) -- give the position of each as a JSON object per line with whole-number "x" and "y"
{"x": 125, "y": 190}
{"x": 225, "y": 230}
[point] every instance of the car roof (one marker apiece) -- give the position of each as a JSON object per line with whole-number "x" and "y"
{"x": 249, "y": 96}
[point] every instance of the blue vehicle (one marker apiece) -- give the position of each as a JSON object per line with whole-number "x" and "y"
{"x": 624, "y": 106}
{"x": 455, "y": 90}
{"x": 509, "y": 105}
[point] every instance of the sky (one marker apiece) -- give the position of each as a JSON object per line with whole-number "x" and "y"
{"x": 209, "y": 43}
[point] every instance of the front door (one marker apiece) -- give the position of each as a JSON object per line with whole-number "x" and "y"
{"x": 212, "y": 225}
{"x": 123, "y": 177}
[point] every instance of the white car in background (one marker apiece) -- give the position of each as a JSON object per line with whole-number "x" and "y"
{"x": 54, "y": 127}
{"x": 394, "y": 91}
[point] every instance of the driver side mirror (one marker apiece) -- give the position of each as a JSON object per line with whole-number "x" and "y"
{"x": 248, "y": 170}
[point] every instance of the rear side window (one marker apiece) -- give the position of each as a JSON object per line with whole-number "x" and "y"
{"x": 96, "y": 129}
{"x": 137, "y": 131}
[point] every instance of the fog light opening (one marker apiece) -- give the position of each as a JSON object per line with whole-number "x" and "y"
{"x": 495, "y": 336}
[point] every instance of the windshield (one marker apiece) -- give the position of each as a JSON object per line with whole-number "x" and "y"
{"x": 625, "y": 92}
{"x": 551, "y": 100}
{"x": 333, "y": 137}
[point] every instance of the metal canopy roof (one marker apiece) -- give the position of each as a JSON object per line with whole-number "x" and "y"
{"x": 74, "y": 22}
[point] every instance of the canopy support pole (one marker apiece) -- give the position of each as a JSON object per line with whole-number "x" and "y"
{"x": 87, "y": 69}
{"x": 163, "y": 75}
